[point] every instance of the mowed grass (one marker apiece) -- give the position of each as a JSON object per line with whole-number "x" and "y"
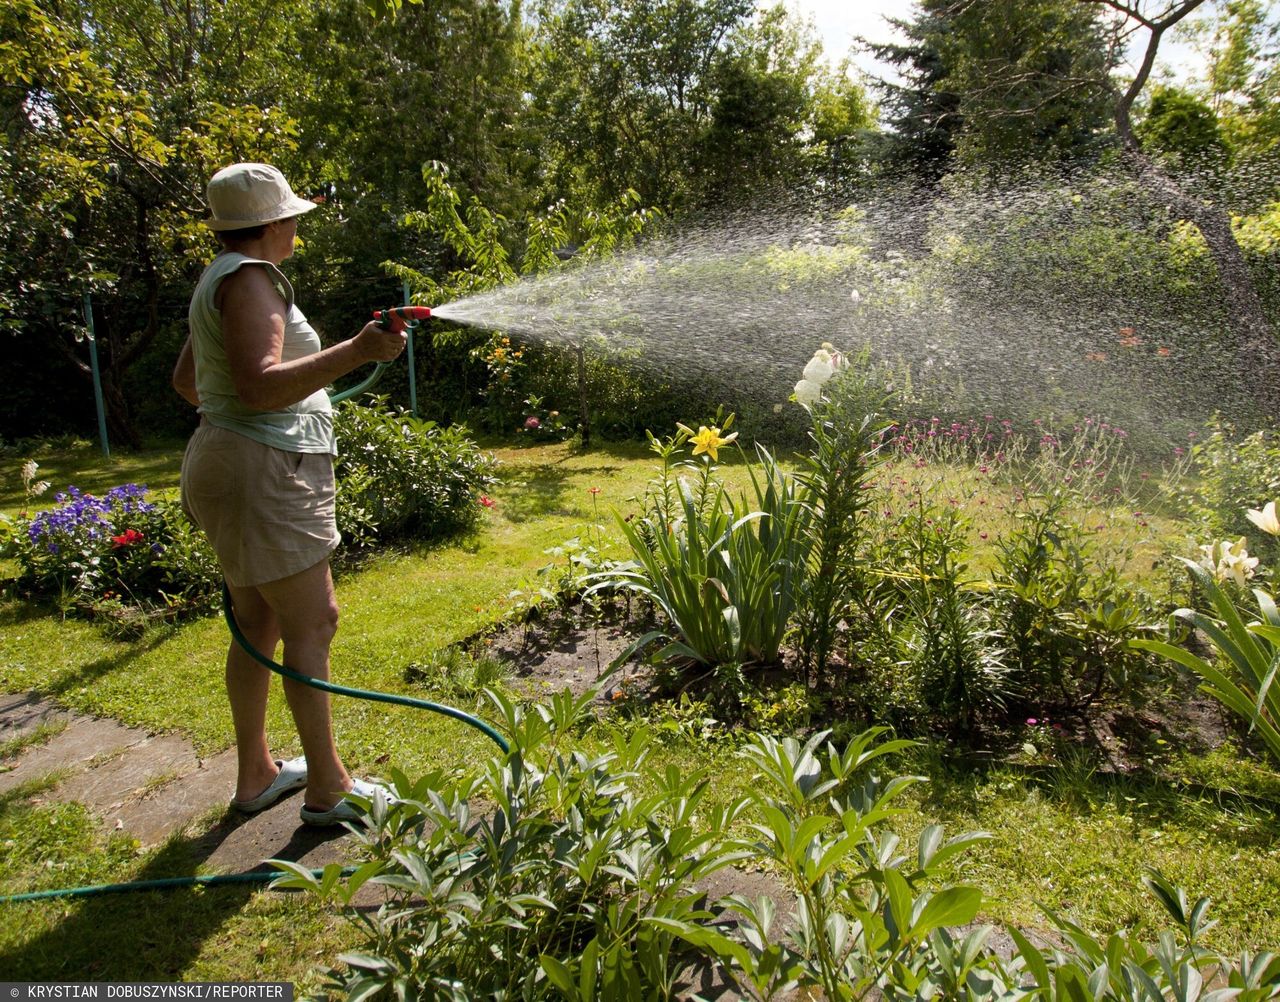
{"x": 1077, "y": 843}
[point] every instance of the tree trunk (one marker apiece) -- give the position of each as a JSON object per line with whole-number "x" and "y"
{"x": 1254, "y": 342}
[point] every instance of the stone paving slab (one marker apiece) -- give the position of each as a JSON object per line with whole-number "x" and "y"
{"x": 21, "y": 714}
{"x": 168, "y": 809}
{"x": 105, "y": 788}
{"x": 240, "y": 842}
{"x": 76, "y": 748}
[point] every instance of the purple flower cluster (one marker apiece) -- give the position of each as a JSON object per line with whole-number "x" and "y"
{"x": 80, "y": 512}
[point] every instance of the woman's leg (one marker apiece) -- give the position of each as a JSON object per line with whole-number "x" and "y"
{"x": 247, "y": 686}
{"x": 306, "y": 610}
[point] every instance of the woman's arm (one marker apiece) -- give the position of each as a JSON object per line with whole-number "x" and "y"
{"x": 253, "y": 322}
{"x": 184, "y": 375}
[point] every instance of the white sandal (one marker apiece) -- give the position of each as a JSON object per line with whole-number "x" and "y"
{"x": 347, "y": 810}
{"x": 291, "y": 776}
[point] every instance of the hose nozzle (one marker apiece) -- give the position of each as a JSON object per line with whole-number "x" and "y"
{"x": 397, "y": 318}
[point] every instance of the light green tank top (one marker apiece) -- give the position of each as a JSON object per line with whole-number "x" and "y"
{"x": 306, "y": 426}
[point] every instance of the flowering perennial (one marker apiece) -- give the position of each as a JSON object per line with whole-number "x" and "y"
{"x": 826, "y": 362}
{"x": 1266, "y": 519}
{"x": 1228, "y": 561}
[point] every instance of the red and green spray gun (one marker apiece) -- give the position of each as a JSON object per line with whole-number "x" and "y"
{"x": 395, "y": 319}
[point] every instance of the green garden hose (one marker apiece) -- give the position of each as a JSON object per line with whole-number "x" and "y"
{"x": 260, "y": 876}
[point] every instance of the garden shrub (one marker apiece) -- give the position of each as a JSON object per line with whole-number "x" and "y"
{"x": 1065, "y": 612}
{"x": 114, "y": 552}
{"x": 399, "y": 476}
{"x": 541, "y": 875}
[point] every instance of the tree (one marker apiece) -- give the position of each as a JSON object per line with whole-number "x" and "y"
{"x": 381, "y": 98}
{"x": 779, "y": 115}
{"x": 1240, "y": 44}
{"x": 1011, "y": 82}
{"x": 923, "y": 116}
{"x": 1183, "y": 129}
{"x": 1257, "y": 352}
{"x": 623, "y": 90}
{"x": 101, "y": 177}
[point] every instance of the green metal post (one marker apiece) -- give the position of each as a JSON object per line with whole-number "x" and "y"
{"x": 413, "y": 382}
{"x": 97, "y": 377}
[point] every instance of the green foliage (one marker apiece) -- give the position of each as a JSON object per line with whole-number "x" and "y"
{"x": 565, "y": 885}
{"x": 400, "y": 477}
{"x": 726, "y": 572}
{"x": 944, "y": 634}
{"x": 108, "y": 554}
{"x": 1235, "y": 472}
{"x": 834, "y": 476}
{"x": 1066, "y": 614}
{"x": 1243, "y": 676}
{"x": 1007, "y": 83}
{"x": 103, "y": 163}
{"x": 1183, "y": 128}
{"x": 574, "y": 886}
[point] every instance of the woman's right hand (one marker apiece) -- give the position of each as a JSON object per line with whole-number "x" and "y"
{"x": 378, "y": 344}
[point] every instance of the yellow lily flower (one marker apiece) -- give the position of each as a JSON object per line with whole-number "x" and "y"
{"x": 708, "y": 440}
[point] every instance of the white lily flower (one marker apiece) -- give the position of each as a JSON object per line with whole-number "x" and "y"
{"x": 820, "y": 368}
{"x": 1266, "y": 519}
{"x": 1228, "y": 560}
{"x": 807, "y": 392}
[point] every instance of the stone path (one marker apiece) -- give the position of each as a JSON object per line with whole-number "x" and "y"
{"x": 156, "y": 787}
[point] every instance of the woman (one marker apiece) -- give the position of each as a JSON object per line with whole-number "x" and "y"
{"x": 257, "y": 477}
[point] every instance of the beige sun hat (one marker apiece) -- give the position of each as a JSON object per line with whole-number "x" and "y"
{"x": 244, "y": 195}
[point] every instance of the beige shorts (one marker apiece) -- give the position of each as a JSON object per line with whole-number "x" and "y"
{"x": 267, "y": 513}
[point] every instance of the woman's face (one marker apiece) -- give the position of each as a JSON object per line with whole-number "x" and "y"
{"x": 284, "y": 233}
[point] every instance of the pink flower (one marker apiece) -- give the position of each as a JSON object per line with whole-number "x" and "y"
{"x": 1031, "y": 721}
{"x": 485, "y": 500}
{"x": 593, "y": 491}
{"x": 531, "y": 423}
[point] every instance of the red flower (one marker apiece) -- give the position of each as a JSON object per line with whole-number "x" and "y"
{"x": 127, "y": 538}
{"x": 593, "y": 491}
{"x": 486, "y": 500}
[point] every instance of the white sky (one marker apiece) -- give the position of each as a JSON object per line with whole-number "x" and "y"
{"x": 838, "y": 22}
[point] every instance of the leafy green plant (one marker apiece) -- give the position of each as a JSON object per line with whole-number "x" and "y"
{"x": 118, "y": 552}
{"x": 564, "y": 886}
{"x": 399, "y": 476}
{"x": 835, "y": 475}
{"x": 725, "y": 571}
{"x": 1066, "y": 613}
{"x": 1243, "y": 677}
{"x": 1177, "y": 966}
{"x": 864, "y": 920}
{"x": 944, "y": 635}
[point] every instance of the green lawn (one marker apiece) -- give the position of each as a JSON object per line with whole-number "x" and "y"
{"x": 1073, "y": 842}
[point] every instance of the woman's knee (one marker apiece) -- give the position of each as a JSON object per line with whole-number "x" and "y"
{"x": 312, "y": 626}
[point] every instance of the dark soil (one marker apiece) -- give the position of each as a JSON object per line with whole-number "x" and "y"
{"x": 572, "y": 650}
